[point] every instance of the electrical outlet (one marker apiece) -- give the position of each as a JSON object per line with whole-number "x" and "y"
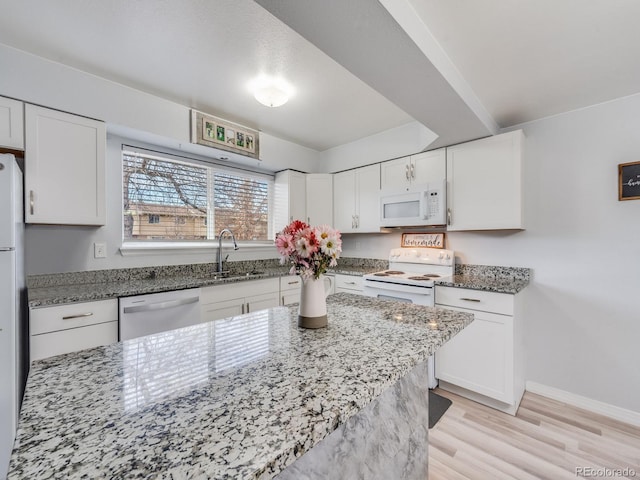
{"x": 100, "y": 250}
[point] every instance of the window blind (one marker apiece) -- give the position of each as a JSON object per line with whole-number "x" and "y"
{"x": 175, "y": 200}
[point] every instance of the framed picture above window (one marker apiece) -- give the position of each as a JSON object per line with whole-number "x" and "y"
{"x": 219, "y": 133}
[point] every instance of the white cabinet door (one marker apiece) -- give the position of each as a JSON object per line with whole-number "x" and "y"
{"x": 344, "y": 201}
{"x": 69, "y": 328}
{"x": 319, "y": 187}
{"x": 223, "y": 309}
{"x": 348, "y": 284}
{"x": 368, "y": 199}
{"x": 233, "y": 299}
{"x": 395, "y": 174}
{"x": 11, "y": 123}
{"x": 485, "y": 184}
{"x": 290, "y": 198}
{"x": 261, "y": 302}
{"x": 429, "y": 167}
{"x": 65, "y": 168}
{"x": 480, "y": 358}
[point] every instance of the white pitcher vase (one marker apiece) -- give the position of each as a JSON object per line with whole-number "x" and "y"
{"x": 312, "y": 312}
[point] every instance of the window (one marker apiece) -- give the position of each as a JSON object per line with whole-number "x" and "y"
{"x": 176, "y": 200}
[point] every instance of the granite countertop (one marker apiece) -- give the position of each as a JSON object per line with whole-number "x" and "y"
{"x": 488, "y": 284}
{"x": 88, "y": 292}
{"x": 489, "y": 278}
{"x": 236, "y": 398}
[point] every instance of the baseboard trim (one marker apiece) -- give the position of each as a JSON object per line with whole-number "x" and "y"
{"x": 594, "y": 406}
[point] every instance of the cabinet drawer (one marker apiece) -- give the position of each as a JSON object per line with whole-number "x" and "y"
{"x": 501, "y": 303}
{"x": 72, "y": 340}
{"x": 349, "y": 282}
{"x": 64, "y": 317}
{"x": 290, "y": 282}
{"x": 247, "y": 288}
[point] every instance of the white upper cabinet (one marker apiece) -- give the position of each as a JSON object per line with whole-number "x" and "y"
{"x": 356, "y": 201}
{"x": 484, "y": 184}
{"x": 64, "y": 168}
{"x": 403, "y": 173}
{"x": 290, "y": 198}
{"x": 319, "y": 198}
{"x": 11, "y": 124}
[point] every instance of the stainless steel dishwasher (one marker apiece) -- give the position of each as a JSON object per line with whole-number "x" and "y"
{"x": 157, "y": 312}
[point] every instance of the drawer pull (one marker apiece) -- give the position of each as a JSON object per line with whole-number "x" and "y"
{"x": 293, "y": 283}
{"x": 470, "y": 299}
{"x": 80, "y": 315}
{"x": 350, "y": 283}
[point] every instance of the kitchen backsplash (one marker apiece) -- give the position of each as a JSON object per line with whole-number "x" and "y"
{"x": 188, "y": 270}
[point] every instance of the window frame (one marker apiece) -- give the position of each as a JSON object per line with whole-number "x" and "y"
{"x": 159, "y": 246}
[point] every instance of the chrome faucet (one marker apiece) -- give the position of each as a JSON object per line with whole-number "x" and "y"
{"x": 235, "y": 247}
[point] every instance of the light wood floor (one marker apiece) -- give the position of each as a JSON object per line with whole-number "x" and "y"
{"x": 545, "y": 440}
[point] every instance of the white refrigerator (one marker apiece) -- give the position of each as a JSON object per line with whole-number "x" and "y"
{"x": 13, "y": 326}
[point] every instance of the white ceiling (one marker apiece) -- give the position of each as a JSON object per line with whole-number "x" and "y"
{"x": 202, "y": 54}
{"x": 529, "y": 59}
{"x": 359, "y": 67}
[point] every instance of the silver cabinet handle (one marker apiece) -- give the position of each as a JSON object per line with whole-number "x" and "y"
{"x": 161, "y": 305}
{"x": 247, "y": 307}
{"x": 31, "y": 201}
{"x": 309, "y": 220}
{"x": 243, "y": 308}
{"x": 80, "y": 315}
{"x": 292, "y": 283}
{"x": 357, "y": 219}
{"x": 350, "y": 283}
{"x": 413, "y": 171}
{"x": 282, "y": 300}
{"x": 470, "y": 299}
{"x": 406, "y": 173}
{"x": 448, "y": 216}
{"x": 353, "y": 221}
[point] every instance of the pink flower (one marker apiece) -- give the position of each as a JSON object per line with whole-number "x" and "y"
{"x": 285, "y": 244}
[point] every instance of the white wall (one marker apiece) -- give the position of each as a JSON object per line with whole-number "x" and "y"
{"x": 393, "y": 143}
{"x": 582, "y": 317}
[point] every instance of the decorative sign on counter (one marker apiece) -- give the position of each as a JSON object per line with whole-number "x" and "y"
{"x": 629, "y": 181}
{"x": 431, "y": 240}
{"x": 218, "y": 133}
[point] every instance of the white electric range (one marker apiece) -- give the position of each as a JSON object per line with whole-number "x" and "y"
{"x": 411, "y": 275}
{"x": 410, "y": 279}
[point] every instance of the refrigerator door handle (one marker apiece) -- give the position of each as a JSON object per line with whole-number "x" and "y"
{"x": 31, "y": 201}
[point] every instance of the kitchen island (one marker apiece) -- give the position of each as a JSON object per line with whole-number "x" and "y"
{"x": 251, "y": 396}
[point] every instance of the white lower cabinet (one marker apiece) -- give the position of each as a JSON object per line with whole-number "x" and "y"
{"x": 349, "y": 284}
{"x": 290, "y": 289}
{"x": 484, "y": 361}
{"x": 68, "y": 328}
{"x": 221, "y": 301}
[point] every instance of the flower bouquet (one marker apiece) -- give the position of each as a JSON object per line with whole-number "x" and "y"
{"x": 310, "y": 251}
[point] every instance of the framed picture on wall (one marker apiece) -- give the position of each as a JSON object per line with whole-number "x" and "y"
{"x": 422, "y": 240}
{"x": 629, "y": 181}
{"x": 224, "y": 135}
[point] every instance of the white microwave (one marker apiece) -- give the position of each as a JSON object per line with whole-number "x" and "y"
{"x": 423, "y": 205}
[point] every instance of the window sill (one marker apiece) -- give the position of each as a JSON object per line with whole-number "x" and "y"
{"x": 192, "y": 248}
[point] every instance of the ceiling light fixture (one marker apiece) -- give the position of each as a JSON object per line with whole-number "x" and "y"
{"x": 271, "y": 91}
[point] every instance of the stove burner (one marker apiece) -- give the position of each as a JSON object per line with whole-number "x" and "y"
{"x": 421, "y": 277}
{"x": 381, "y": 274}
{"x": 393, "y": 272}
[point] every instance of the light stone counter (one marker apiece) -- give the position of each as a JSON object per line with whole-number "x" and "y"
{"x": 252, "y": 396}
